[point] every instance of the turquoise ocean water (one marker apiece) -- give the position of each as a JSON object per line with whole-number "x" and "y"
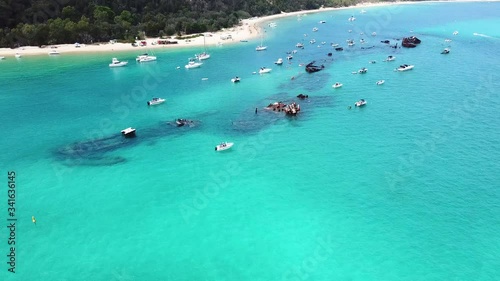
{"x": 405, "y": 188}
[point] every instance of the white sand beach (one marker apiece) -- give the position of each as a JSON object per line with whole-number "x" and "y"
{"x": 248, "y": 29}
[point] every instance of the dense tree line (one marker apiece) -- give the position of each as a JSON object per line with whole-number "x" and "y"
{"x": 45, "y": 22}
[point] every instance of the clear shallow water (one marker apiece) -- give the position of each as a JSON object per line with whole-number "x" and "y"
{"x": 403, "y": 189}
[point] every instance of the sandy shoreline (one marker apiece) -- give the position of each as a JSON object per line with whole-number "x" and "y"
{"x": 249, "y": 29}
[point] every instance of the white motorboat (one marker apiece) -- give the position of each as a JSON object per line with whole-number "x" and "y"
{"x": 322, "y": 21}
{"x": 372, "y": 61}
{"x": 390, "y": 58}
{"x": 337, "y": 85}
{"x": 374, "y": 33}
{"x": 380, "y": 82}
{"x": 2, "y": 57}
{"x": 192, "y": 64}
{"x": 224, "y": 146}
{"x": 116, "y": 63}
{"x": 145, "y": 58}
{"x": 359, "y": 103}
{"x": 235, "y": 79}
{"x": 156, "y": 101}
{"x": 53, "y": 52}
{"x": 299, "y": 45}
{"x": 445, "y": 51}
{"x": 289, "y": 57}
{"x": 352, "y": 18}
{"x": 350, "y": 43}
{"x": 279, "y": 61}
{"x": 455, "y": 32}
{"x": 405, "y": 67}
{"x": 362, "y": 41}
{"x": 128, "y": 132}
{"x": 312, "y": 41}
{"x": 263, "y": 70}
{"x": 363, "y": 70}
{"x": 18, "y": 55}
{"x": 315, "y": 29}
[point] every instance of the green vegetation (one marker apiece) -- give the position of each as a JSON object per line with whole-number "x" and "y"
{"x": 45, "y": 22}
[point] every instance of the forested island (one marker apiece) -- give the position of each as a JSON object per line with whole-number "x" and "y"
{"x": 47, "y": 22}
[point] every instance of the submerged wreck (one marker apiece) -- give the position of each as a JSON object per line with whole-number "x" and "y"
{"x": 289, "y": 109}
{"x": 410, "y": 42}
{"x": 310, "y": 67}
{"x": 292, "y": 109}
{"x": 277, "y": 106}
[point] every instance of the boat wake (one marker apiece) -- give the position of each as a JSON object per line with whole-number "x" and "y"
{"x": 483, "y": 35}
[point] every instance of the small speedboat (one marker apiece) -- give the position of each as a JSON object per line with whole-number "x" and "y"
{"x": 235, "y": 79}
{"x": 337, "y": 85}
{"x": 156, "y": 101}
{"x": 315, "y": 29}
{"x": 445, "y": 51}
{"x": 405, "y": 67}
{"x": 363, "y": 70}
{"x": 322, "y": 21}
{"x": 224, "y": 146}
{"x": 279, "y": 61}
{"x": 299, "y": 45}
{"x": 380, "y": 82}
{"x": 289, "y": 57}
{"x": 2, "y": 57}
{"x": 263, "y": 70}
{"x": 455, "y": 32}
{"x": 372, "y": 61}
{"x": 128, "y": 132}
{"x": 53, "y": 53}
{"x": 145, "y": 58}
{"x": 390, "y": 58}
{"x": 18, "y": 55}
{"x": 360, "y": 103}
{"x": 116, "y": 63}
{"x": 352, "y": 18}
{"x": 193, "y": 64}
